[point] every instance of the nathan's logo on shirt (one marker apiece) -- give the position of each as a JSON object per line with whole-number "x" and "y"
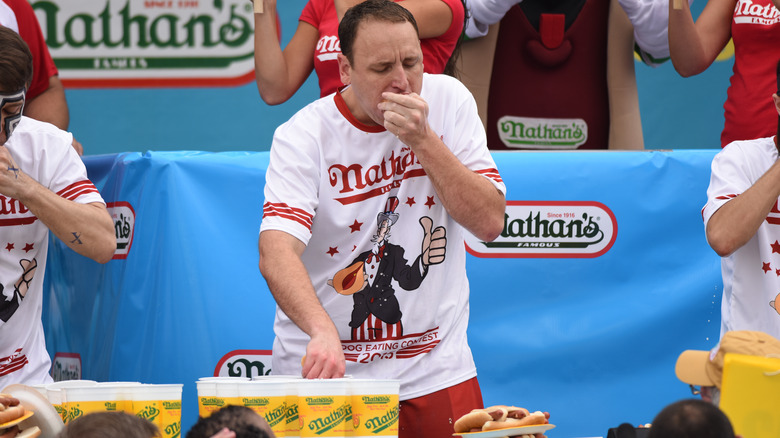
{"x": 543, "y": 229}
{"x": 124, "y": 226}
{"x": 125, "y": 43}
{"x": 328, "y": 48}
{"x": 533, "y": 133}
{"x": 748, "y": 12}
{"x": 375, "y": 180}
{"x": 13, "y": 212}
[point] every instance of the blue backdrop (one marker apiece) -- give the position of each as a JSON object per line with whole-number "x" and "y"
{"x": 592, "y": 340}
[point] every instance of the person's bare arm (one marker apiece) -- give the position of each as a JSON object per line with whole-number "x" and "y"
{"x": 85, "y": 228}
{"x": 433, "y": 17}
{"x": 693, "y": 46}
{"x": 50, "y": 106}
{"x": 625, "y": 124}
{"x": 473, "y": 201}
{"x": 289, "y": 282}
{"x": 737, "y": 221}
{"x": 280, "y": 73}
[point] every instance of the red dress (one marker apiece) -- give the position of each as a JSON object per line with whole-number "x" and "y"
{"x": 749, "y": 110}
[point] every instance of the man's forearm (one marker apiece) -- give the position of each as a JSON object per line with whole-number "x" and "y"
{"x": 289, "y": 282}
{"x": 85, "y": 228}
{"x": 472, "y": 200}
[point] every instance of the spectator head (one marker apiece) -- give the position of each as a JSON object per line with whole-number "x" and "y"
{"x": 245, "y": 422}
{"x": 109, "y": 425}
{"x": 692, "y": 418}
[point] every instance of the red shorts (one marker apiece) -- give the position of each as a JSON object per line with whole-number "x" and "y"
{"x": 432, "y": 415}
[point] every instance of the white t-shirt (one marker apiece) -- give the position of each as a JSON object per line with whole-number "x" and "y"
{"x": 329, "y": 179}
{"x": 751, "y": 275}
{"x": 44, "y": 153}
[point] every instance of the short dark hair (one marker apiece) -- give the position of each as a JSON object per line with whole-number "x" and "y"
{"x": 379, "y": 10}
{"x": 239, "y": 419}
{"x": 691, "y": 418}
{"x": 16, "y": 65}
{"x": 109, "y": 424}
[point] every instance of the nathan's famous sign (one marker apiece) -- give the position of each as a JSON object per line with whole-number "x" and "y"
{"x": 550, "y": 229}
{"x": 127, "y": 43}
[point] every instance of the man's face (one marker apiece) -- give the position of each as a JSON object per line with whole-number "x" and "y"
{"x": 11, "y": 106}
{"x": 386, "y": 58}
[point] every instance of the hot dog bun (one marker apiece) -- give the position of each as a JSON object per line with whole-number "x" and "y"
{"x": 472, "y": 421}
{"x": 30, "y": 432}
{"x": 10, "y": 414}
{"x": 533, "y": 419}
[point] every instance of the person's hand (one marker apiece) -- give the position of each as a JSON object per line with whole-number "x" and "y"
{"x": 324, "y": 357}
{"x": 406, "y": 116}
{"x": 12, "y": 179}
{"x": 224, "y": 433}
{"x": 434, "y": 245}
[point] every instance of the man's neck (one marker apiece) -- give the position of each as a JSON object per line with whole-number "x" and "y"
{"x": 355, "y": 109}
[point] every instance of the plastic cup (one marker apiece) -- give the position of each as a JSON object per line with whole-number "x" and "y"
{"x": 214, "y": 393}
{"x": 84, "y": 400}
{"x": 324, "y": 408}
{"x": 269, "y": 398}
{"x": 54, "y": 395}
{"x": 124, "y": 400}
{"x": 293, "y": 428}
{"x": 160, "y": 404}
{"x": 375, "y": 407}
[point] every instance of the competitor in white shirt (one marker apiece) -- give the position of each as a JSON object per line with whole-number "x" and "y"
{"x": 43, "y": 187}
{"x": 742, "y": 222}
{"x": 367, "y": 196}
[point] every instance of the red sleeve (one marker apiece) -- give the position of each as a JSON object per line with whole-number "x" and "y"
{"x": 310, "y": 15}
{"x": 30, "y": 31}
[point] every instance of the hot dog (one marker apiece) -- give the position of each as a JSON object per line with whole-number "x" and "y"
{"x": 7, "y": 401}
{"x": 498, "y": 417}
{"x": 474, "y": 420}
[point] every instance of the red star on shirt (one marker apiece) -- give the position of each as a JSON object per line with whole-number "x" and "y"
{"x": 355, "y": 226}
{"x": 332, "y": 251}
{"x": 430, "y": 202}
{"x": 766, "y": 267}
{"x": 29, "y": 247}
{"x": 776, "y": 247}
{"x": 777, "y": 271}
{"x": 9, "y": 247}
{"x": 410, "y": 201}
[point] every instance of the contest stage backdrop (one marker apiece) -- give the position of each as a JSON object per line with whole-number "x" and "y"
{"x": 586, "y": 325}
{"x": 178, "y": 75}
